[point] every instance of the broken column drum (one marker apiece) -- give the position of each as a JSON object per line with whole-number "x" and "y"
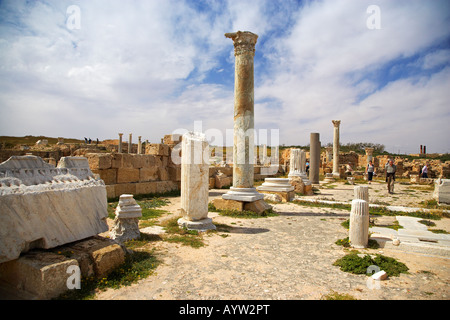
{"x": 336, "y": 124}
{"x": 359, "y": 224}
{"x": 195, "y": 182}
{"x": 369, "y": 154}
{"x": 362, "y": 193}
{"x": 130, "y": 145}
{"x": 243, "y": 146}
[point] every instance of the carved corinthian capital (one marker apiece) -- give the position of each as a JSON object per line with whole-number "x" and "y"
{"x": 336, "y": 123}
{"x": 244, "y": 41}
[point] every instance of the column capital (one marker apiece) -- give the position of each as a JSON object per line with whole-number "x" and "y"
{"x": 369, "y": 151}
{"x": 120, "y": 134}
{"x": 336, "y": 123}
{"x": 244, "y": 41}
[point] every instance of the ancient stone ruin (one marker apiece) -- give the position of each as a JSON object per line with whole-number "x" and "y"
{"x": 44, "y": 206}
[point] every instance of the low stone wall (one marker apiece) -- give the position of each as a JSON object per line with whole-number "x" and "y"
{"x": 135, "y": 173}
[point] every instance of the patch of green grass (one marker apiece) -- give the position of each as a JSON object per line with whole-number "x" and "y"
{"x": 137, "y": 265}
{"x": 183, "y": 236}
{"x": 246, "y": 214}
{"x": 438, "y": 231}
{"x": 333, "y": 295}
{"x": 372, "y": 244}
{"x": 358, "y": 265}
{"x": 427, "y": 223}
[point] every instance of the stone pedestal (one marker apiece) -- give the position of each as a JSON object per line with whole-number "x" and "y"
{"x": 314, "y": 163}
{"x": 280, "y": 186}
{"x": 243, "y": 144}
{"x": 126, "y": 222}
{"x": 195, "y": 182}
{"x": 442, "y": 191}
{"x": 336, "y": 124}
{"x": 359, "y": 224}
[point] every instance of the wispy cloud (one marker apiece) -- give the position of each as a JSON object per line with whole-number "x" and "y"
{"x": 150, "y": 67}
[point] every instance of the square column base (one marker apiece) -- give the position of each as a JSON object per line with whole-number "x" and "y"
{"x": 243, "y": 194}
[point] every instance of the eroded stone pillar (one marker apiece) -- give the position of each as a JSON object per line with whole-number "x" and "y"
{"x": 369, "y": 154}
{"x": 329, "y": 153}
{"x": 130, "y": 145}
{"x": 139, "y": 151}
{"x": 314, "y": 155}
{"x": 195, "y": 182}
{"x": 120, "y": 143}
{"x": 243, "y": 146}
{"x": 359, "y": 224}
{"x": 336, "y": 124}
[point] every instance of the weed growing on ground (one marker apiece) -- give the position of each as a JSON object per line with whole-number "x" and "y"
{"x": 356, "y": 264}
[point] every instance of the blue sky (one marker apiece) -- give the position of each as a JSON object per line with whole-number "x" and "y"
{"x": 152, "y": 67}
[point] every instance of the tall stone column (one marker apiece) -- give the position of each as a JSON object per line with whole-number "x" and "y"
{"x": 243, "y": 146}
{"x": 139, "y": 151}
{"x": 336, "y": 124}
{"x": 314, "y": 156}
{"x": 120, "y": 143}
{"x": 130, "y": 145}
{"x": 359, "y": 224}
{"x": 195, "y": 182}
{"x": 369, "y": 154}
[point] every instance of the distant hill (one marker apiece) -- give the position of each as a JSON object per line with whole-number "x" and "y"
{"x": 31, "y": 140}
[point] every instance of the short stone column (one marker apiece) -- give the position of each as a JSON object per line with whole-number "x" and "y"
{"x": 336, "y": 124}
{"x": 130, "y": 144}
{"x": 362, "y": 193}
{"x": 369, "y": 154}
{"x": 329, "y": 153}
{"x": 60, "y": 140}
{"x": 126, "y": 222}
{"x": 139, "y": 151}
{"x": 243, "y": 145}
{"x": 359, "y": 224}
{"x": 120, "y": 143}
{"x": 314, "y": 163}
{"x": 195, "y": 182}
{"x": 294, "y": 163}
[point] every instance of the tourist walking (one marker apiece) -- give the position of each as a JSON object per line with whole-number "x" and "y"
{"x": 390, "y": 169}
{"x": 425, "y": 171}
{"x": 369, "y": 170}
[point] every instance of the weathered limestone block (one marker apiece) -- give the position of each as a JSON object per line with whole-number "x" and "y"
{"x": 146, "y": 187}
{"x": 125, "y": 188}
{"x": 223, "y": 204}
{"x": 194, "y": 182}
{"x": 166, "y": 186}
{"x": 126, "y": 222}
{"x": 43, "y": 207}
{"x": 157, "y": 149}
{"x": 221, "y": 180}
{"x": 163, "y": 173}
{"x": 148, "y": 174}
{"x": 41, "y": 274}
{"x": 127, "y": 175}
{"x": 175, "y": 173}
{"x": 359, "y": 224}
{"x": 99, "y": 160}
{"x": 109, "y": 176}
{"x": 442, "y": 191}
{"x": 258, "y": 206}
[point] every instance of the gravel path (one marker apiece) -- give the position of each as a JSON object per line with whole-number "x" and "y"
{"x": 289, "y": 256}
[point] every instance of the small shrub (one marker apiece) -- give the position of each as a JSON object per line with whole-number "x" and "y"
{"x": 358, "y": 265}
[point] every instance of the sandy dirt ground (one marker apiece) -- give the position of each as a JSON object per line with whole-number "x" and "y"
{"x": 287, "y": 257}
